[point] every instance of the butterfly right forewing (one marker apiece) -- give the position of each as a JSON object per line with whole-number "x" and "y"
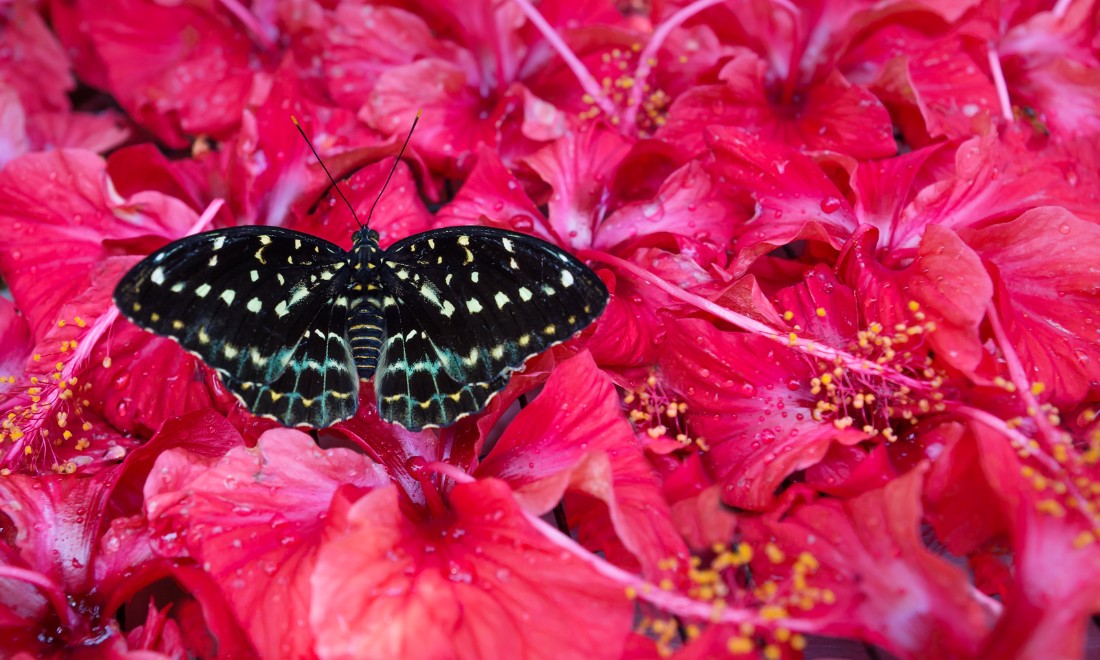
{"x": 465, "y": 307}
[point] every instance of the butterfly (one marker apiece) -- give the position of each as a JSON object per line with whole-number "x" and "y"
{"x": 291, "y": 322}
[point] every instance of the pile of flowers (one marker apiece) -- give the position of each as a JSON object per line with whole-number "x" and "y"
{"x": 847, "y": 385}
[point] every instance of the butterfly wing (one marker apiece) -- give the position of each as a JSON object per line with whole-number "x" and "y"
{"x": 465, "y": 307}
{"x": 319, "y": 385}
{"x": 259, "y": 305}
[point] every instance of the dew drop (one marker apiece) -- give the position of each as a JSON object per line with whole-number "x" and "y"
{"x": 830, "y": 205}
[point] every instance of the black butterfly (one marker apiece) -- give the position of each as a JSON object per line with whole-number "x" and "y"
{"x": 292, "y": 322}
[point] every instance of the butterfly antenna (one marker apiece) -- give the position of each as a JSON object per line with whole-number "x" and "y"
{"x": 322, "y": 163}
{"x": 394, "y": 168}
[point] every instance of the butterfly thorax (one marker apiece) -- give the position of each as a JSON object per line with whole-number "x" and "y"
{"x": 366, "y": 255}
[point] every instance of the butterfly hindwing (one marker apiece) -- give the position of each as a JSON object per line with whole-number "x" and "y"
{"x": 466, "y": 306}
{"x": 248, "y": 301}
{"x": 319, "y": 385}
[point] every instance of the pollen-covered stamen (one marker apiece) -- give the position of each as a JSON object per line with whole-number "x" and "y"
{"x": 874, "y": 403}
{"x": 657, "y": 414}
{"x": 47, "y": 403}
{"x": 620, "y": 86}
{"x": 722, "y": 577}
{"x": 642, "y": 94}
{"x": 1062, "y": 467}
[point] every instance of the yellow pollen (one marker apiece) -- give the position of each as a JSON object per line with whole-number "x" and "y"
{"x": 1083, "y": 539}
{"x": 1052, "y": 507}
{"x": 820, "y": 311}
{"x": 739, "y": 646}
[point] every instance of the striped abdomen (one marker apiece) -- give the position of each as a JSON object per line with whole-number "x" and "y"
{"x": 366, "y": 329}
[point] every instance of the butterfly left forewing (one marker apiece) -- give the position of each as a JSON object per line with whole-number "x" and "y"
{"x": 465, "y": 307}
{"x": 250, "y": 301}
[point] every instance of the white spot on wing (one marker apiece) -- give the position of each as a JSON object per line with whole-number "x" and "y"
{"x": 254, "y": 305}
{"x": 299, "y": 293}
{"x": 473, "y": 305}
{"x": 158, "y": 276}
{"x": 525, "y": 293}
{"x": 219, "y": 242}
{"x": 566, "y": 278}
{"x": 475, "y": 354}
{"x": 281, "y": 309}
{"x": 178, "y": 286}
{"x": 228, "y": 296}
{"x": 429, "y": 294}
{"x": 501, "y": 300}
{"x": 507, "y": 244}
{"x": 202, "y": 290}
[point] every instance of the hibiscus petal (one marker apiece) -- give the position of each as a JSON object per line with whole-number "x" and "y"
{"x": 749, "y": 398}
{"x": 943, "y": 84}
{"x": 889, "y": 588}
{"x": 1055, "y": 584}
{"x": 574, "y": 437}
{"x": 32, "y": 61}
{"x": 946, "y": 281}
{"x": 76, "y": 130}
{"x": 254, "y": 519}
{"x": 795, "y": 199}
{"x": 492, "y": 192}
{"x": 578, "y": 167}
{"x": 60, "y": 203}
{"x": 993, "y": 178}
{"x": 830, "y": 114}
{"x": 688, "y": 204}
{"x": 177, "y": 69}
{"x": 15, "y": 342}
{"x": 480, "y": 583}
{"x": 1046, "y": 282}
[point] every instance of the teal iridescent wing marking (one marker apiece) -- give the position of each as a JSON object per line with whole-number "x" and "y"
{"x": 266, "y": 307}
{"x": 464, "y": 308}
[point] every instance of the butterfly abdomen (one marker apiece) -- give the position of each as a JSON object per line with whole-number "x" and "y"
{"x": 366, "y": 330}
